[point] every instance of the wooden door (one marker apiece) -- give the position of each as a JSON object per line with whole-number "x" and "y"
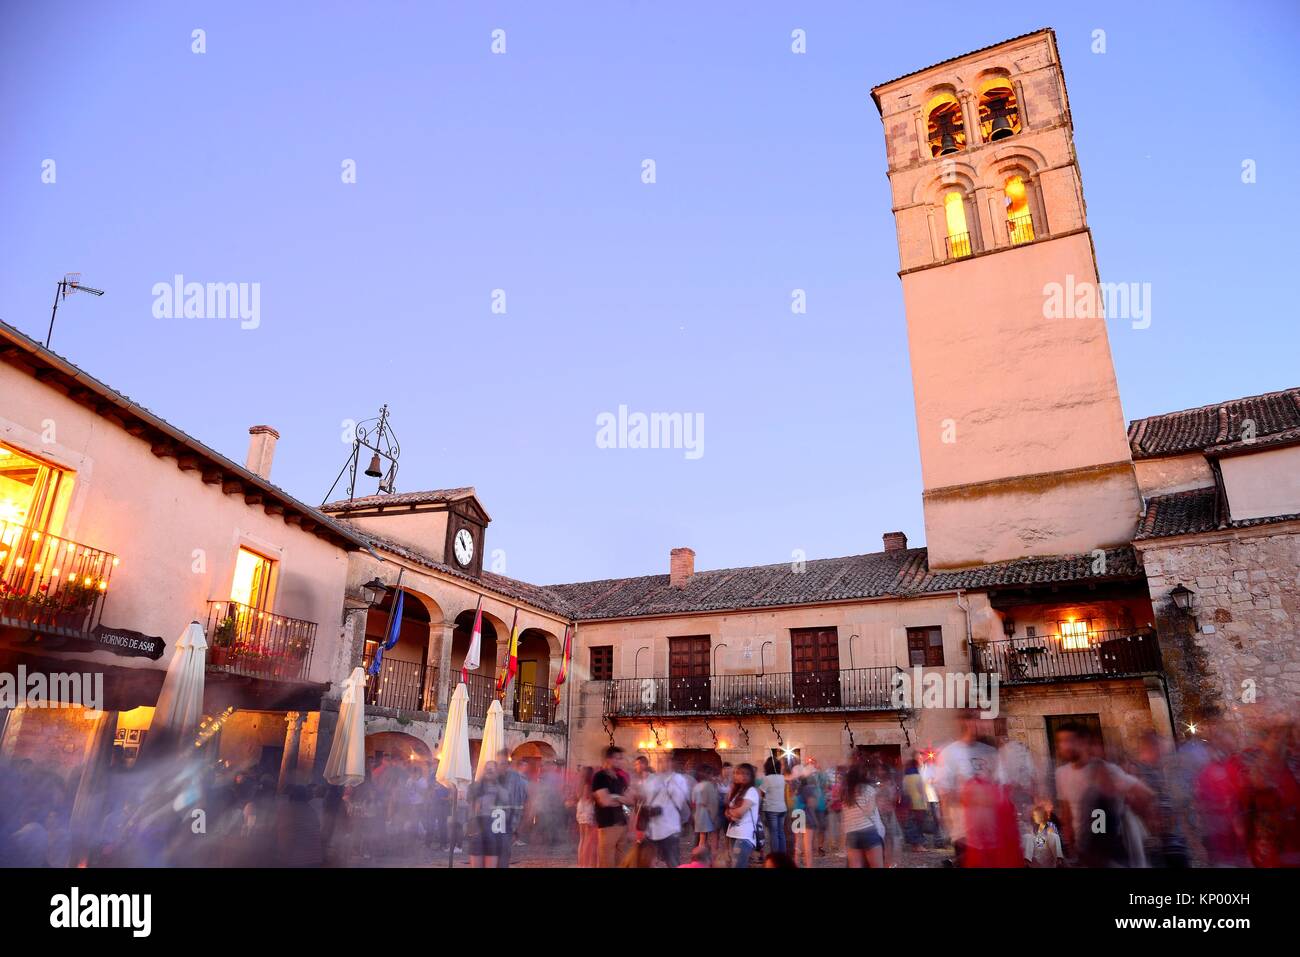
{"x": 815, "y": 656}
{"x": 688, "y": 673}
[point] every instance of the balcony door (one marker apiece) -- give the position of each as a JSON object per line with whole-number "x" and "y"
{"x": 815, "y": 656}
{"x": 689, "y": 674}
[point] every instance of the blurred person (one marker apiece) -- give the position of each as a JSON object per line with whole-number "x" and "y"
{"x": 1152, "y": 765}
{"x": 29, "y": 843}
{"x": 1043, "y": 846}
{"x": 60, "y": 837}
{"x": 1098, "y": 803}
{"x": 780, "y": 862}
{"x": 772, "y": 786}
{"x": 915, "y": 806}
{"x": 863, "y": 830}
{"x": 993, "y": 834}
{"x": 585, "y": 812}
{"x": 704, "y": 802}
{"x": 487, "y": 822}
{"x": 608, "y": 787}
{"x": 957, "y": 763}
{"x": 701, "y": 856}
{"x": 665, "y": 805}
{"x": 743, "y": 803}
{"x": 515, "y": 793}
{"x": 1272, "y": 799}
{"x": 297, "y": 831}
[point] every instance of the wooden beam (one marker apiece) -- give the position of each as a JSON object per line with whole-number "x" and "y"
{"x": 211, "y": 477}
{"x": 293, "y": 518}
{"x": 273, "y": 508}
{"x": 253, "y": 497}
{"x": 162, "y": 448}
{"x": 187, "y": 463}
{"x": 232, "y": 486}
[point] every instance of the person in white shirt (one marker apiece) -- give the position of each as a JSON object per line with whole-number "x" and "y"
{"x": 963, "y": 759}
{"x": 667, "y": 796}
{"x": 772, "y": 787}
{"x": 742, "y": 811}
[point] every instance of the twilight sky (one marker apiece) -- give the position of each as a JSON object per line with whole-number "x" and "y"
{"x": 522, "y": 172}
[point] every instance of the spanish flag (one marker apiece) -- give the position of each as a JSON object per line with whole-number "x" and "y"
{"x": 569, "y": 635}
{"x": 512, "y": 659}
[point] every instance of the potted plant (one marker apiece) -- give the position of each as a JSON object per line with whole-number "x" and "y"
{"x": 223, "y": 639}
{"x": 72, "y": 605}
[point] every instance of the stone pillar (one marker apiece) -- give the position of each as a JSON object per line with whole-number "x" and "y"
{"x": 445, "y": 677}
{"x": 1160, "y": 711}
{"x": 292, "y": 739}
{"x": 971, "y": 117}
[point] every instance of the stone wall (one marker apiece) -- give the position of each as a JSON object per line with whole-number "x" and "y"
{"x": 1241, "y": 650}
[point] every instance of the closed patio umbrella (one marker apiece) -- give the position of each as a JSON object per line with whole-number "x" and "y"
{"x": 454, "y": 768}
{"x": 494, "y": 738}
{"x": 346, "y": 765}
{"x": 180, "y": 702}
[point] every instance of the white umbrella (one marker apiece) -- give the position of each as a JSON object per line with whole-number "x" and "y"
{"x": 180, "y": 703}
{"x": 494, "y": 738}
{"x": 346, "y": 764}
{"x": 454, "y": 768}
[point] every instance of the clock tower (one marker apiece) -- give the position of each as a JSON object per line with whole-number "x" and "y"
{"x": 1023, "y": 445}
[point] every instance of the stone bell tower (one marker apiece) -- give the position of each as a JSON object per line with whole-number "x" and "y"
{"x": 1023, "y": 444}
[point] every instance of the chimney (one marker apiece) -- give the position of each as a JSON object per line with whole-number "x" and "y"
{"x": 681, "y": 566}
{"x": 261, "y": 449}
{"x": 895, "y": 541}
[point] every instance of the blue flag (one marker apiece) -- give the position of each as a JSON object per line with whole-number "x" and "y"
{"x": 394, "y": 630}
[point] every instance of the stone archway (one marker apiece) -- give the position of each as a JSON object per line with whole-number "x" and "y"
{"x": 390, "y": 749}
{"x": 406, "y": 680}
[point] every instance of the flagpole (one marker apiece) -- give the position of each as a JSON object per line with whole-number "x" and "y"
{"x": 568, "y": 694}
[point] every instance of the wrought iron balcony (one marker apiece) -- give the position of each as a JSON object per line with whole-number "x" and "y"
{"x": 534, "y": 704}
{"x": 482, "y": 690}
{"x": 959, "y": 246}
{"x": 1056, "y": 658}
{"x": 244, "y": 640}
{"x": 403, "y": 685}
{"x": 49, "y": 583}
{"x": 851, "y": 689}
{"x": 1020, "y": 229}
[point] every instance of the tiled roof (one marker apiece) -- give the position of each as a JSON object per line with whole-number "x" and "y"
{"x": 960, "y": 56}
{"x": 897, "y": 574}
{"x": 157, "y": 425}
{"x": 1190, "y": 512}
{"x": 510, "y": 588}
{"x": 430, "y": 497}
{"x": 1194, "y": 430}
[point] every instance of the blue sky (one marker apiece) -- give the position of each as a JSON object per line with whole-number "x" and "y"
{"x": 522, "y": 172}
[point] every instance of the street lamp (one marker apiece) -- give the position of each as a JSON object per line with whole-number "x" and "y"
{"x": 372, "y": 592}
{"x": 70, "y": 283}
{"x": 1182, "y": 597}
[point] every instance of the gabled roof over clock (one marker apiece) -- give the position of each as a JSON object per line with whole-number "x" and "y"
{"x": 410, "y": 501}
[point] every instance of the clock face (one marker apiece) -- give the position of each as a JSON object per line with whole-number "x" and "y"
{"x": 464, "y": 547}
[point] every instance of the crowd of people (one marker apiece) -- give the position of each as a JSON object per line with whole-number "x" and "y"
{"x": 1222, "y": 798}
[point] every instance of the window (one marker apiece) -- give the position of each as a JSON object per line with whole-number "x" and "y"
{"x": 602, "y": 663}
{"x": 28, "y": 490}
{"x": 945, "y": 128}
{"x": 1020, "y": 223}
{"x": 925, "y": 647}
{"x": 252, "y": 583}
{"x": 954, "y": 215}
{"x": 999, "y": 111}
{"x": 1076, "y": 634}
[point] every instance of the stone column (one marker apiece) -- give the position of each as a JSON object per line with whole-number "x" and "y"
{"x": 971, "y": 117}
{"x": 292, "y": 739}
{"x": 445, "y": 676}
{"x": 1160, "y": 711}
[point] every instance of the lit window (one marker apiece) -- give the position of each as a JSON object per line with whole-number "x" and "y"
{"x": 28, "y": 490}
{"x": 999, "y": 112}
{"x": 252, "y": 584}
{"x": 954, "y": 212}
{"x": 945, "y": 129}
{"x": 1020, "y": 223}
{"x": 1076, "y": 634}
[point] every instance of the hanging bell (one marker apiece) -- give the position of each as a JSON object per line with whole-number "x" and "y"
{"x": 373, "y": 469}
{"x": 1001, "y": 123}
{"x": 947, "y": 145}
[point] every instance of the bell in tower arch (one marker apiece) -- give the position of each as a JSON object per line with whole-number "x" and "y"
{"x": 1002, "y": 127}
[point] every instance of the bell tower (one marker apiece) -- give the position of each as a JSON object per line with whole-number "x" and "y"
{"x": 1023, "y": 444}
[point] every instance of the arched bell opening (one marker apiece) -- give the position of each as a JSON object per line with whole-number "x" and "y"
{"x": 999, "y": 112}
{"x": 945, "y": 126}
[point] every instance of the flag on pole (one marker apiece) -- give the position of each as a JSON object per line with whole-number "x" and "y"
{"x": 512, "y": 659}
{"x": 471, "y": 662}
{"x": 394, "y": 630}
{"x": 569, "y": 635}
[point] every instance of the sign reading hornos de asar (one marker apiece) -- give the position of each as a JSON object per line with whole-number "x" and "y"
{"x": 122, "y": 641}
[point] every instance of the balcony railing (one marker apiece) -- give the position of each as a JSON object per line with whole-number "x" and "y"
{"x": 244, "y": 640}
{"x": 534, "y": 704}
{"x": 959, "y": 246}
{"x": 49, "y": 582}
{"x": 482, "y": 690}
{"x": 1054, "y": 658}
{"x": 1020, "y": 229}
{"x": 404, "y": 685}
{"x": 852, "y": 689}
